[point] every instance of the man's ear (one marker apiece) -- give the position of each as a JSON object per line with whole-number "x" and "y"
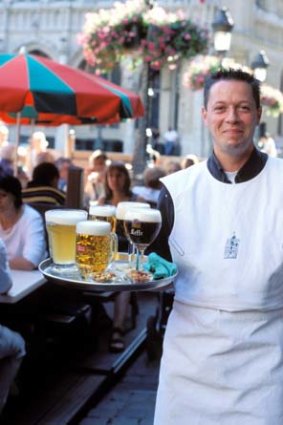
{"x": 259, "y": 113}
{"x": 204, "y": 115}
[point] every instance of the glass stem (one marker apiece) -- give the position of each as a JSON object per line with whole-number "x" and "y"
{"x": 131, "y": 252}
{"x": 139, "y": 259}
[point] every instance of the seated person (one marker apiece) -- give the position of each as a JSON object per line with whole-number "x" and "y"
{"x": 63, "y": 164}
{"x": 12, "y": 345}
{"x": 118, "y": 189}
{"x": 95, "y": 185}
{"x": 172, "y": 166}
{"x": 189, "y": 160}
{"x": 7, "y": 156}
{"x": 152, "y": 185}
{"x": 43, "y": 188}
{"x": 21, "y": 227}
{"x": 36, "y": 147}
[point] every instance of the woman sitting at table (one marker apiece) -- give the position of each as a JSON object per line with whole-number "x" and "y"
{"x": 12, "y": 345}
{"x": 21, "y": 227}
{"x": 118, "y": 189}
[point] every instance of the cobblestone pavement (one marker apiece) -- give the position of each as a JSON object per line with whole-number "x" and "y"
{"x": 132, "y": 400}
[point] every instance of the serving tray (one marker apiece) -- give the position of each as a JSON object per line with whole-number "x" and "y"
{"x": 118, "y": 283}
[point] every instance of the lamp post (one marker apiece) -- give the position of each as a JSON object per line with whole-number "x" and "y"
{"x": 143, "y": 134}
{"x": 260, "y": 65}
{"x": 222, "y": 25}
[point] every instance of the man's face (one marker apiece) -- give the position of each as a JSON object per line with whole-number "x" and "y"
{"x": 231, "y": 116}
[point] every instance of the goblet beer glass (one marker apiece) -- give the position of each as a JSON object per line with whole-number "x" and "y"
{"x": 142, "y": 226}
{"x": 104, "y": 213}
{"x": 61, "y": 230}
{"x": 121, "y": 211}
{"x": 96, "y": 247}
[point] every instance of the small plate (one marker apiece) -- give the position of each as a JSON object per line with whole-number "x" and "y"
{"x": 119, "y": 281}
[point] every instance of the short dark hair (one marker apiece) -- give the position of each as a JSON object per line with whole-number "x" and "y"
{"x": 230, "y": 75}
{"x": 44, "y": 173}
{"x": 11, "y": 184}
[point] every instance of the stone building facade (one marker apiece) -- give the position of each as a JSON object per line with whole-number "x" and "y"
{"x": 51, "y": 28}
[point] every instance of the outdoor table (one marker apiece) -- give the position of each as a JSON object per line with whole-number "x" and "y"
{"x": 24, "y": 284}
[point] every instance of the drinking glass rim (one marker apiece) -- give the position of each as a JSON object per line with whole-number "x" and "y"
{"x": 146, "y": 211}
{"x": 104, "y": 210}
{"x": 92, "y": 227}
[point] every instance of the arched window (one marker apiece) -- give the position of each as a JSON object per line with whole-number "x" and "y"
{"x": 39, "y": 53}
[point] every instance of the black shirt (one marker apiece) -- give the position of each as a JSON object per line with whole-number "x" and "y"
{"x": 250, "y": 169}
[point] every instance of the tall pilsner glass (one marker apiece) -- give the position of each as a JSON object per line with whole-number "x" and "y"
{"x": 121, "y": 210}
{"x": 104, "y": 213}
{"x": 61, "y": 230}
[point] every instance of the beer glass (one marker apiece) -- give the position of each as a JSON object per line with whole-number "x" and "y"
{"x": 121, "y": 210}
{"x": 104, "y": 213}
{"x": 96, "y": 247}
{"x": 61, "y": 230}
{"x": 142, "y": 226}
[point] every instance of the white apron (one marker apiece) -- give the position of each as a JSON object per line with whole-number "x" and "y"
{"x": 222, "y": 358}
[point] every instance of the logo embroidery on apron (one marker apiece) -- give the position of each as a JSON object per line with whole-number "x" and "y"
{"x": 231, "y": 247}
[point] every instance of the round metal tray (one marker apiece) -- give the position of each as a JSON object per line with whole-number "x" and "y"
{"x": 122, "y": 283}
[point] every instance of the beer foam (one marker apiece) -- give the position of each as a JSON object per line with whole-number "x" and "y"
{"x": 65, "y": 216}
{"x": 146, "y": 215}
{"x": 89, "y": 227}
{"x": 102, "y": 210}
{"x": 123, "y": 207}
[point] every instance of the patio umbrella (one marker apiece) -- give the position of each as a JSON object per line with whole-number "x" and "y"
{"x": 37, "y": 90}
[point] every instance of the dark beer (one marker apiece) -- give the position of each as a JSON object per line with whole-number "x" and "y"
{"x": 142, "y": 226}
{"x": 142, "y": 234}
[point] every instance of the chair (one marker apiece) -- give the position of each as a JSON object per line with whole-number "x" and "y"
{"x": 58, "y": 310}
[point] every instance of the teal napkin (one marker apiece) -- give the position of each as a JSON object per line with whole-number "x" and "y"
{"x": 159, "y": 267}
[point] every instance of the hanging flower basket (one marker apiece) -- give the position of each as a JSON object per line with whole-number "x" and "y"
{"x": 200, "y": 67}
{"x": 159, "y": 37}
{"x": 272, "y": 99}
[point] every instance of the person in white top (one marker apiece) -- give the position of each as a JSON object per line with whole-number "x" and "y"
{"x": 222, "y": 360}
{"x": 171, "y": 139}
{"x": 267, "y": 144}
{"x": 12, "y": 345}
{"x": 21, "y": 227}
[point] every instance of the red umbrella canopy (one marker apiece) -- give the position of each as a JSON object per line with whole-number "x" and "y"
{"x": 46, "y": 92}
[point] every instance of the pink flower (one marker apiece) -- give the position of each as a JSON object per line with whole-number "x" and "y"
{"x": 187, "y": 36}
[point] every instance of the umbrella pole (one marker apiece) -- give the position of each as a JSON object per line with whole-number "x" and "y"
{"x": 18, "y": 130}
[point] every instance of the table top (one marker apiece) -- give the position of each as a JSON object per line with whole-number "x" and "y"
{"x": 24, "y": 283}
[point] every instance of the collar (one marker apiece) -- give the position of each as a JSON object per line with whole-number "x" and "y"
{"x": 249, "y": 170}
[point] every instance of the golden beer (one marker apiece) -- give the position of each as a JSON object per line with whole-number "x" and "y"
{"x": 61, "y": 229}
{"x": 104, "y": 213}
{"x": 96, "y": 246}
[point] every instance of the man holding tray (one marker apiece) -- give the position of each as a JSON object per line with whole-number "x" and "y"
{"x": 222, "y": 358}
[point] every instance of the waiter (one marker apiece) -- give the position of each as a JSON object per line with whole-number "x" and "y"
{"x": 222, "y": 360}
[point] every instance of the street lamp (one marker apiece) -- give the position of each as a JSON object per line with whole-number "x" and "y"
{"x": 260, "y": 65}
{"x": 222, "y": 25}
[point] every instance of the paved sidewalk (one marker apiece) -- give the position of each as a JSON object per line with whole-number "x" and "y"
{"x": 132, "y": 400}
